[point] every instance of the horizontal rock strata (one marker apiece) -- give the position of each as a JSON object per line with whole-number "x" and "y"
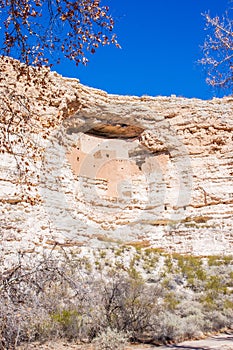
{"x": 114, "y": 169}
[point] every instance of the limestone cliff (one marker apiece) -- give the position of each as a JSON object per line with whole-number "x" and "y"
{"x": 115, "y": 169}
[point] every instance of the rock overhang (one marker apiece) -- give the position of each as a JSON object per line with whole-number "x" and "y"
{"x": 176, "y": 156}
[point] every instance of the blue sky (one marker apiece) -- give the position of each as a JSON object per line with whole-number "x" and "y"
{"x": 160, "y": 42}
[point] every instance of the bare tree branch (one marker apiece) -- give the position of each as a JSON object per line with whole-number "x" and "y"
{"x": 37, "y": 32}
{"x": 218, "y": 51}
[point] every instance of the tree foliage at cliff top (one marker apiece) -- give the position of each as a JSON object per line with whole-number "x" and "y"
{"x": 43, "y": 31}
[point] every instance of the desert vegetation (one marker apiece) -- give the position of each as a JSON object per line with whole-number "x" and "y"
{"x": 113, "y": 295}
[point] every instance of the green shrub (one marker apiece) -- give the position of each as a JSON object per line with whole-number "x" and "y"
{"x": 215, "y": 285}
{"x": 66, "y": 323}
{"x": 171, "y": 301}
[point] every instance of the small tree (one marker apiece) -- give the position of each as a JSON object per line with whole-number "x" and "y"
{"x": 39, "y": 33}
{"x": 35, "y": 31}
{"x": 218, "y": 51}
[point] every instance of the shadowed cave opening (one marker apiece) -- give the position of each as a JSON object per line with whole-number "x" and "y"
{"x": 115, "y": 131}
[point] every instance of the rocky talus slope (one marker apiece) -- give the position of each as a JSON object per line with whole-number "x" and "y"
{"x": 109, "y": 169}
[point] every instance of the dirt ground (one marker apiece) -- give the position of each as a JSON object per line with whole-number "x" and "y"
{"x": 217, "y": 342}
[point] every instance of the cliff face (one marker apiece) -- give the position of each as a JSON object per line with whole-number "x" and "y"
{"x": 114, "y": 169}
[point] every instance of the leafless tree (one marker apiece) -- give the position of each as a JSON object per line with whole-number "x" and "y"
{"x": 21, "y": 120}
{"x": 218, "y": 50}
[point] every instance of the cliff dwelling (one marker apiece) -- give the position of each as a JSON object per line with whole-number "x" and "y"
{"x": 119, "y": 169}
{"x": 111, "y": 164}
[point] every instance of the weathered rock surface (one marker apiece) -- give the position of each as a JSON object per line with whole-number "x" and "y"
{"x": 120, "y": 168}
